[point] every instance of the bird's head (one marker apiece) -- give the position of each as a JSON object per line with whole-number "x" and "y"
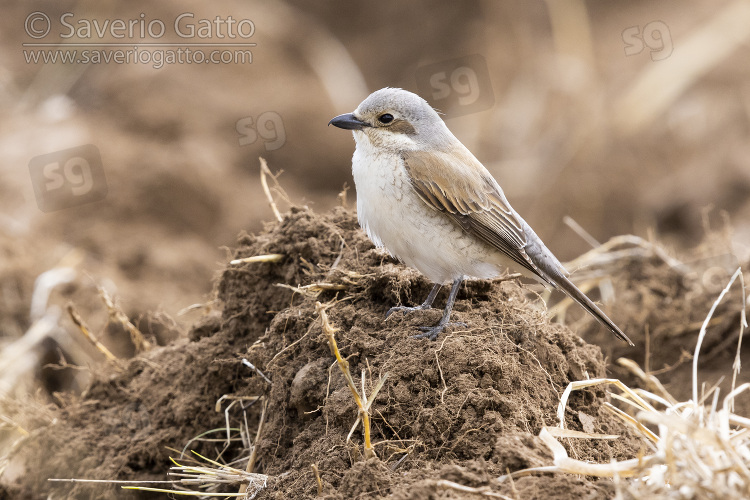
{"x": 395, "y": 119}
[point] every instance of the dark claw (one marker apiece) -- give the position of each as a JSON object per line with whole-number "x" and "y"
{"x": 405, "y": 309}
{"x": 432, "y": 332}
{"x": 457, "y": 323}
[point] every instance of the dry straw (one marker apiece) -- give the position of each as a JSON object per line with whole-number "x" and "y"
{"x": 697, "y": 449}
{"x": 360, "y": 397}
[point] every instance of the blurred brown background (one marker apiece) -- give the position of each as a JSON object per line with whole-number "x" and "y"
{"x": 626, "y": 117}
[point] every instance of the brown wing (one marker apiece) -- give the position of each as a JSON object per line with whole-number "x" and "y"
{"x": 457, "y": 184}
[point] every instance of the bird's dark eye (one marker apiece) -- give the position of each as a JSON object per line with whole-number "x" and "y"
{"x": 386, "y": 118}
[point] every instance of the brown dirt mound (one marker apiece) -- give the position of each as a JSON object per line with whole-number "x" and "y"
{"x": 474, "y": 398}
{"x": 466, "y": 408}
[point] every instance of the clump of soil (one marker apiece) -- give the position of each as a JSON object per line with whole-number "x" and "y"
{"x": 472, "y": 400}
{"x": 466, "y": 408}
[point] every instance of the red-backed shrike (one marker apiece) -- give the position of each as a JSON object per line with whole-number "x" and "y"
{"x": 425, "y": 198}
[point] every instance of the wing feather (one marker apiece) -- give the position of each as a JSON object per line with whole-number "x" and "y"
{"x": 456, "y": 183}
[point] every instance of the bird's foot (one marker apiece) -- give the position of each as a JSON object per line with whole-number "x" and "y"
{"x": 406, "y": 309}
{"x": 432, "y": 332}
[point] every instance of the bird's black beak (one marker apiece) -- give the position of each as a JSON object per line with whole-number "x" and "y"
{"x": 348, "y": 121}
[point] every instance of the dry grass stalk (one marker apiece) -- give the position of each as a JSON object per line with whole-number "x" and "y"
{"x": 208, "y": 478}
{"x": 313, "y": 290}
{"x": 342, "y": 196}
{"x": 634, "y": 247}
{"x": 116, "y": 314}
{"x": 271, "y": 257}
{"x": 704, "y": 327}
{"x": 264, "y": 170}
{"x": 580, "y": 231}
{"x": 20, "y": 359}
{"x": 235, "y": 400}
{"x": 570, "y": 433}
{"x": 315, "y": 470}
{"x": 699, "y": 448}
{"x": 615, "y": 249}
{"x": 256, "y": 444}
{"x": 736, "y": 365}
{"x": 483, "y": 491}
{"x": 84, "y": 329}
{"x": 256, "y": 370}
{"x": 362, "y": 402}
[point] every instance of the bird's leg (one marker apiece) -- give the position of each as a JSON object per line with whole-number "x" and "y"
{"x": 427, "y": 304}
{"x": 432, "y": 332}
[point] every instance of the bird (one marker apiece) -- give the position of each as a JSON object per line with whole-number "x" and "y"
{"x": 427, "y": 200}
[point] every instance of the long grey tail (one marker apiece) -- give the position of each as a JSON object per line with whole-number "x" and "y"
{"x": 572, "y": 291}
{"x": 546, "y": 266}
